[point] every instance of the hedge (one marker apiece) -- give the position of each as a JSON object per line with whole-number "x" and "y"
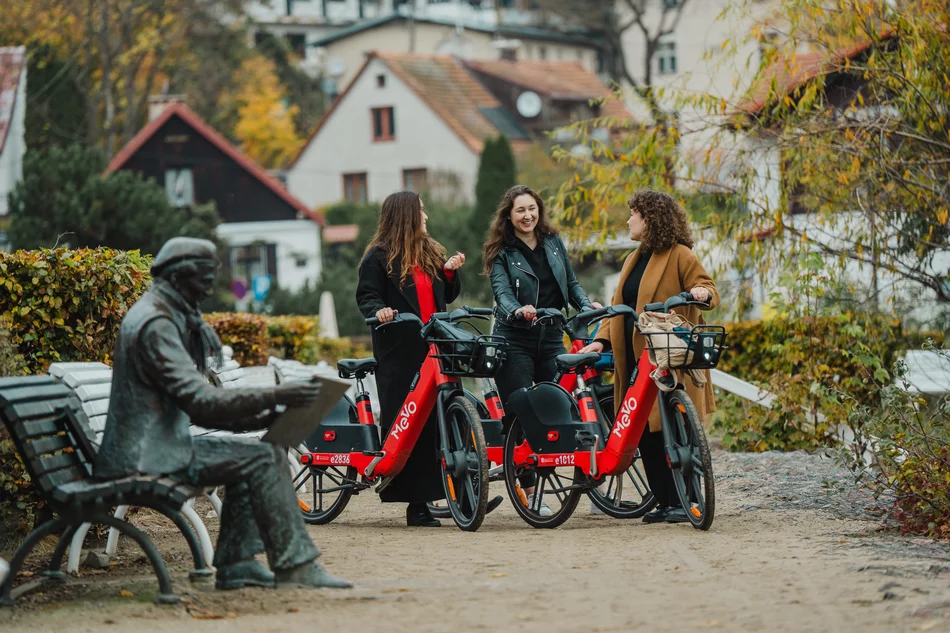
{"x": 66, "y": 305}
{"x": 805, "y": 362}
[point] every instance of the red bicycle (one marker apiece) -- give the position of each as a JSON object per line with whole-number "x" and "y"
{"x": 343, "y": 458}
{"x": 566, "y": 448}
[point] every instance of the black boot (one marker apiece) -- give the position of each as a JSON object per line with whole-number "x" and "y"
{"x": 658, "y": 515}
{"x": 418, "y": 515}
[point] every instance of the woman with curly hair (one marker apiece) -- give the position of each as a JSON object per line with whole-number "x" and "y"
{"x": 663, "y": 265}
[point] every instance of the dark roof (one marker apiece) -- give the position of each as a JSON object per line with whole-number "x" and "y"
{"x": 525, "y": 32}
{"x": 187, "y": 115}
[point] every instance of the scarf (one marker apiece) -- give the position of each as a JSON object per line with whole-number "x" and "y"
{"x": 203, "y": 342}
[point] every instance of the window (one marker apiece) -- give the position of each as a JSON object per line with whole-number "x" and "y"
{"x": 354, "y": 188}
{"x": 666, "y": 57}
{"x": 297, "y": 42}
{"x": 414, "y": 179}
{"x": 380, "y": 81}
{"x": 180, "y": 187}
{"x": 252, "y": 261}
{"x": 384, "y": 125}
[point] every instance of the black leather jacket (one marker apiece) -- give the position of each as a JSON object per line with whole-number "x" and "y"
{"x": 514, "y": 284}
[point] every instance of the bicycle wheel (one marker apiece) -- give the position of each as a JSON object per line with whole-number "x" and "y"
{"x": 556, "y": 491}
{"x": 466, "y": 478}
{"x": 330, "y": 489}
{"x": 625, "y": 496}
{"x": 690, "y": 460}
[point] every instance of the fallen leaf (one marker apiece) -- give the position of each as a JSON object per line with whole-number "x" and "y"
{"x": 26, "y": 574}
{"x": 126, "y": 594}
{"x": 293, "y": 610}
{"x": 497, "y": 575}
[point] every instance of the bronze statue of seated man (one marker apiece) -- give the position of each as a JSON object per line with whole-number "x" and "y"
{"x": 159, "y": 389}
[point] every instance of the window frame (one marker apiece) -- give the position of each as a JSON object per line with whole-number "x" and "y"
{"x": 387, "y": 124}
{"x": 361, "y": 177}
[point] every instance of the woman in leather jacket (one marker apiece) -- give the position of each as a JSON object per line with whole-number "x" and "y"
{"x": 529, "y": 269}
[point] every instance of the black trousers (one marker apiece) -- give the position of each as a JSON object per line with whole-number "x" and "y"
{"x": 529, "y": 359}
{"x": 658, "y": 472}
{"x": 260, "y": 512}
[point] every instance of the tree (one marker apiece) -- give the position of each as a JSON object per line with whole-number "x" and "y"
{"x": 496, "y": 174}
{"x": 63, "y": 199}
{"x": 610, "y": 21}
{"x": 839, "y": 148}
{"x": 265, "y": 125}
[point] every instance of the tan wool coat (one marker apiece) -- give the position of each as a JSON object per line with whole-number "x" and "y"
{"x": 669, "y": 272}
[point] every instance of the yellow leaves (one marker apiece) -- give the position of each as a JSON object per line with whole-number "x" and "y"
{"x": 265, "y": 125}
{"x": 942, "y": 215}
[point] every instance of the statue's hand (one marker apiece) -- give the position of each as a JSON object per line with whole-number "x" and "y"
{"x": 298, "y": 394}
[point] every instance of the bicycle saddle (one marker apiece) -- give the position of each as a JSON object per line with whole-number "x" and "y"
{"x": 567, "y": 362}
{"x": 356, "y": 367}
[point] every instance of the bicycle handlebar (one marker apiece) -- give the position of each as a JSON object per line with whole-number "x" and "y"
{"x": 465, "y": 312}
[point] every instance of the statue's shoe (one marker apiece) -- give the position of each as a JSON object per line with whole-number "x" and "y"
{"x": 243, "y": 574}
{"x": 313, "y": 575}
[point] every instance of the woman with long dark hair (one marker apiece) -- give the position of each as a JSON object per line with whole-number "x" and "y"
{"x": 405, "y": 270}
{"x": 663, "y": 265}
{"x": 529, "y": 270}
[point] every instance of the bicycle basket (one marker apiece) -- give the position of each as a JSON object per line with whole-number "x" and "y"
{"x": 674, "y": 343}
{"x": 462, "y": 353}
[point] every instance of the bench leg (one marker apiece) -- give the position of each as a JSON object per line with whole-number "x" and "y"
{"x": 207, "y": 548}
{"x": 75, "y": 548}
{"x": 112, "y": 543}
{"x": 165, "y": 595}
{"x": 201, "y": 569}
{"x": 19, "y": 556}
{"x": 56, "y": 560}
{"x": 215, "y": 501}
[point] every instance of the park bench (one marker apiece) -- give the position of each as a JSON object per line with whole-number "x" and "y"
{"x": 92, "y": 383}
{"x": 54, "y": 437}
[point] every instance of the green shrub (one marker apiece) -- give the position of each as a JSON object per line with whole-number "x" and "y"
{"x": 909, "y": 439}
{"x": 245, "y": 333}
{"x": 66, "y": 305}
{"x": 805, "y": 362}
{"x": 293, "y": 337}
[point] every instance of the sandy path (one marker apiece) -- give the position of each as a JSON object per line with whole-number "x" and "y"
{"x": 758, "y": 569}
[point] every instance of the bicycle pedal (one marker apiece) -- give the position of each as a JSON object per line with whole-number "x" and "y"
{"x": 374, "y": 453}
{"x": 586, "y": 439}
{"x": 496, "y": 473}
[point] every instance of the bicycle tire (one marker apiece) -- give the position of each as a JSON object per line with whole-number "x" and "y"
{"x": 473, "y": 484}
{"x": 314, "y": 513}
{"x": 535, "y": 519}
{"x": 692, "y": 462}
{"x": 613, "y": 505}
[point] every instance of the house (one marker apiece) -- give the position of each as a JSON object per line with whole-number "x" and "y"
{"x": 304, "y": 25}
{"x": 270, "y": 233}
{"x": 411, "y": 121}
{"x": 340, "y": 55}
{"x": 13, "y": 62}
{"x": 847, "y": 229}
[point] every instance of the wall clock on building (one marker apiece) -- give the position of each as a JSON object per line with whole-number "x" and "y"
{"x": 528, "y": 104}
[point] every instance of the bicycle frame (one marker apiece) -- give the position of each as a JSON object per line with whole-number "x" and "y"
{"x": 620, "y": 447}
{"x": 428, "y": 386}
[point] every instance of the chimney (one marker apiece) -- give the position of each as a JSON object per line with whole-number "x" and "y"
{"x": 158, "y": 103}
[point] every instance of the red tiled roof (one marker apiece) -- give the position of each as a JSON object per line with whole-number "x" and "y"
{"x": 788, "y": 75}
{"x": 444, "y": 84}
{"x": 198, "y": 124}
{"x": 341, "y": 233}
{"x": 12, "y": 63}
{"x": 555, "y": 79}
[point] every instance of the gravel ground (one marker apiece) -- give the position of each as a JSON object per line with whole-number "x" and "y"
{"x": 794, "y": 548}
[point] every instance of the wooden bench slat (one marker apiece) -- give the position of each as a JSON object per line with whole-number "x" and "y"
{"x": 47, "y": 445}
{"x": 96, "y": 407}
{"x": 15, "y": 382}
{"x": 36, "y": 428}
{"x": 88, "y": 393}
{"x": 49, "y": 463}
{"x": 58, "y": 370}
{"x": 38, "y": 391}
{"x": 39, "y": 408}
{"x": 49, "y": 482}
{"x": 77, "y": 379}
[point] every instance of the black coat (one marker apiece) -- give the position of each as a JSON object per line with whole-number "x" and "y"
{"x": 514, "y": 283}
{"x": 400, "y": 353}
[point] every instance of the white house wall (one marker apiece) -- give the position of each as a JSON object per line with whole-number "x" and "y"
{"x": 11, "y": 159}
{"x": 295, "y": 239}
{"x": 345, "y": 145}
